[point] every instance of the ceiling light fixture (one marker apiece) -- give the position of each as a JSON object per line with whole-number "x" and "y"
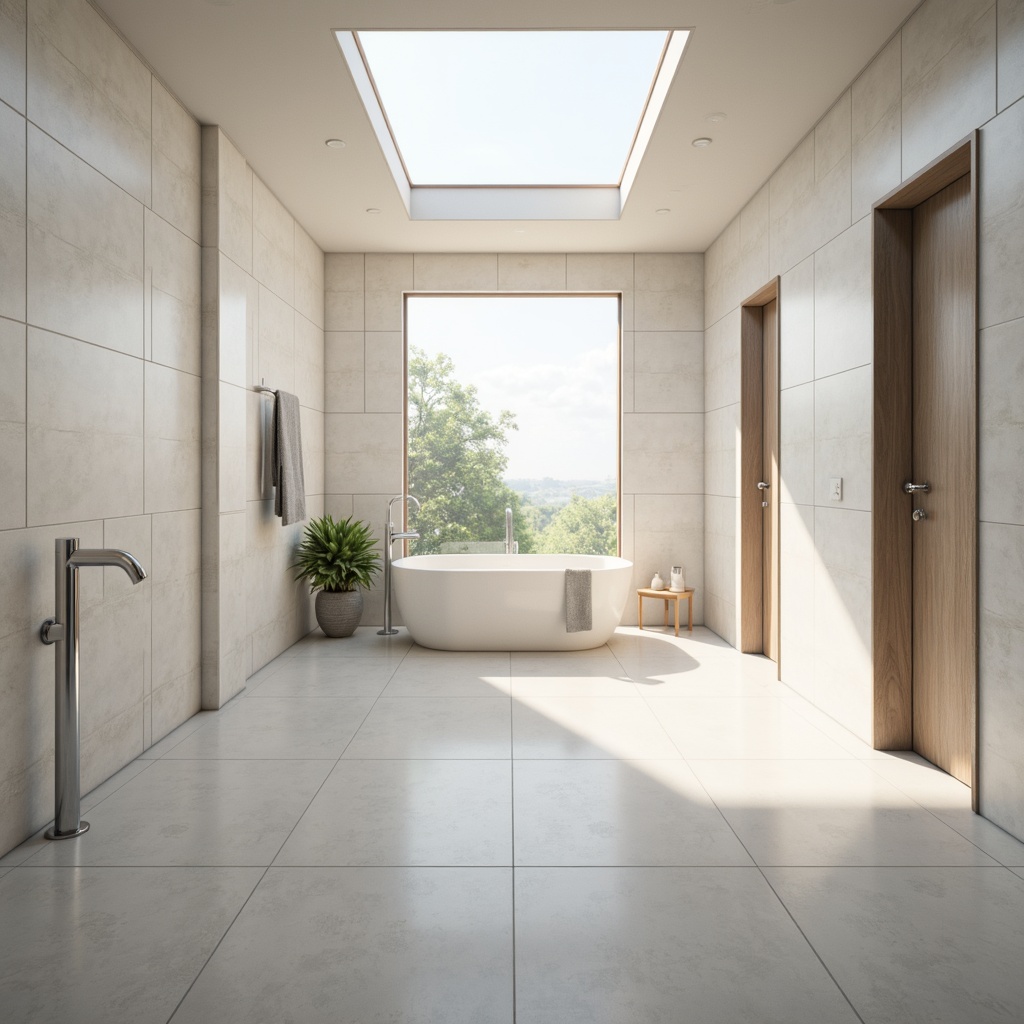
{"x": 701, "y": 142}
{"x": 335, "y": 143}
{"x": 716, "y": 118}
{"x": 372, "y": 209}
{"x": 663, "y": 210}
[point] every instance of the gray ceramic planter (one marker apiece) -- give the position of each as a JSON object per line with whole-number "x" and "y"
{"x": 338, "y": 613}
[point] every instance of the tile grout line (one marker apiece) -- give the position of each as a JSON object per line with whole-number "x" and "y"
{"x": 512, "y": 810}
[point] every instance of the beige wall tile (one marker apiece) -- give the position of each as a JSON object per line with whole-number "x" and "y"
{"x": 338, "y": 505}
{"x": 177, "y": 164}
{"x": 1001, "y": 423}
{"x": 309, "y": 363}
{"x": 135, "y": 535}
{"x": 842, "y": 437}
{"x": 457, "y": 272}
{"x": 174, "y": 703}
{"x": 876, "y": 120}
{"x": 309, "y": 277}
{"x": 842, "y": 617}
{"x": 796, "y": 597}
{"x": 173, "y": 270}
{"x": 721, "y": 273}
{"x": 753, "y": 255}
{"x": 796, "y": 325}
{"x": 1001, "y": 643}
{"x": 112, "y": 746}
{"x": 385, "y": 363}
{"x": 842, "y": 302}
{"x": 233, "y": 198}
{"x": 627, "y": 508}
{"x": 85, "y": 415}
{"x": 12, "y": 53}
{"x": 601, "y": 272}
{"x": 793, "y": 232}
{"x": 832, "y": 171}
{"x": 85, "y": 250}
{"x": 312, "y": 427}
{"x": 343, "y": 371}
{"x": 669, "y": 530}
{"x": 1010, "y": 52}
{"x": 344, "y": 284}
{"x": 627, "y": 388}
{"x": 276, "y": 342}
{"x": 173, "y": 470}
{"x": 176, "y": 630}
{"x": 720, "y": 540}
{"x": 273, "y": 242}
{"x": 525, "y": 272}
{"x": 949, "y": 76}
{"x": 721, "y": 451}
{"x": 668, "y": 369}
{"x": 663, "y": 453}
{"x": 797, "y": 445}
{"x": 176, "y": 545}
{"x": 89, "y": 91}
{"x": 12, "y": 213}
{"x": 1001, "y": 218}
{"x": 231, "y": 448}
{"x": 388, "y": 275}
{"x": 12, "y": 424}
{"x": 722, "y": 362}
{"x": 668, "y": 291}
{"x": 238, "y": 314}
{"x": 363, "y": 453}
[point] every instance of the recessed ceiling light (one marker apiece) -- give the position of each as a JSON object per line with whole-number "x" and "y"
{"x": 716, "y": 118}
{"x": 701, "y": 142}
{"x": 335, "y": 143}
{"x": 372, "y": 209}
{"x": 663, "y": 210}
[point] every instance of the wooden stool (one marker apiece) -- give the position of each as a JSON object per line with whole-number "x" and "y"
{"x": 666, "y": 596}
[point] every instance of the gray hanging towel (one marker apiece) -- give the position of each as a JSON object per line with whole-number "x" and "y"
{"x": 578, "y": 605}
{"x": 290, "y": 487}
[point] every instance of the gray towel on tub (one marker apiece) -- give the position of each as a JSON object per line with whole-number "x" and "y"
{"x": 578, "y": 606}
{"x": 290, "y": 487}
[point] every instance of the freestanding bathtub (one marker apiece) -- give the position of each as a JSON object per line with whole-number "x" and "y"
{"x": 505, "y": 602}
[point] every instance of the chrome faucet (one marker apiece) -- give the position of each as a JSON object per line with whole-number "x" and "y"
{"x": 390, "y": 536}
{"x": 511, "y": 544}
{"x": 63, "y": 632}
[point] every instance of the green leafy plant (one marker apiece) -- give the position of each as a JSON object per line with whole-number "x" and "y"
{"x": 337, "y": 555}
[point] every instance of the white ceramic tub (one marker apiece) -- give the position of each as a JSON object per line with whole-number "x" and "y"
{"x": 505, "y": 602}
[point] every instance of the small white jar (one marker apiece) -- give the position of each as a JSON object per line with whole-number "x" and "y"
{"x": 657, "y": 583}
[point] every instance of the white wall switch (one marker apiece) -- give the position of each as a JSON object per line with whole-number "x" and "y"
{"x": 835, "y": 488}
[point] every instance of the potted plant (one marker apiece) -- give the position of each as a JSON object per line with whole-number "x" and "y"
{"x": 337, "y": 558}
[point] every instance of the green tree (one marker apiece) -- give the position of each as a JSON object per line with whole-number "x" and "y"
{"x": 457, "y": 460}
{"x": 586, "y": 526}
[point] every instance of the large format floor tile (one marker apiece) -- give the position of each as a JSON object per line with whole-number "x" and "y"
{"x": 915, "y": 945}
{"x": 223, "y": 812}
{"x": 408, "y": 813}
{"x": 277, "y": 727}
{"x": 365, "y": 946}
{"x": 658, "y": 945}
{"x": 110, "y": 946}
{"x": 325, "y": 677}
{"x": 828, "y": 812}
{"x": 604, "y": 812}
{"x": 591, "y": 727}
{"x": 474, "y": 675}
{"x": 441, "y": 727}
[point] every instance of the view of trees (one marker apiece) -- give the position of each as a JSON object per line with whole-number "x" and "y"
{"x": 457, "y": 463}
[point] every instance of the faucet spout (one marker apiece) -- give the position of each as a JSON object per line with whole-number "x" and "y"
{"x": 108, "y": 556}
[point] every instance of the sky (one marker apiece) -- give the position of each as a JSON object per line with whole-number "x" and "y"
{"x": 546, "y": 108}
{"x": 553, "y": 361}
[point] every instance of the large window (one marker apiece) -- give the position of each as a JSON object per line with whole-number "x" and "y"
{"x": 512, "y": 402}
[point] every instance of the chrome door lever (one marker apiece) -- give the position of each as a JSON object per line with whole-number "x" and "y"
{"x": 762, "y": 486}
{"x": 910, "y": 488}
{"x": 919, "y": 514}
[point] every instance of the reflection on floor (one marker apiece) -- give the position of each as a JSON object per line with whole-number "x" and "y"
{"x": 655, "y": 831}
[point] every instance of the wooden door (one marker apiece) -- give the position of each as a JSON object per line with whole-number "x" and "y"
{"x": 944, "y": 458}
{"x": 770, "y": 475}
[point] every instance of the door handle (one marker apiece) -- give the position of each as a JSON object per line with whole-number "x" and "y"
{"x": 762, "y": 486}
{"x": 910, "y": 488}
{"x": 919, "y": 514}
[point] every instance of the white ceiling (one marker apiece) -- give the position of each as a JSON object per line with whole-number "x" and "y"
{"x": 270, "y": 74}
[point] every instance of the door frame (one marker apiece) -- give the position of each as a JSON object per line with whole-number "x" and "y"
{"x": 892, "y": 455}
{"x": 752, "y": 414}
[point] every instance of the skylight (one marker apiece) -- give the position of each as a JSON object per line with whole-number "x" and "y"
{"x": 513, "y": 110}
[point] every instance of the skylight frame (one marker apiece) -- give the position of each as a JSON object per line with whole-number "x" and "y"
{"x": 514, "y": 202}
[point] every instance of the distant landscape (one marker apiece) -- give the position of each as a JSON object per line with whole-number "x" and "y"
{"x": 547, "y": 491}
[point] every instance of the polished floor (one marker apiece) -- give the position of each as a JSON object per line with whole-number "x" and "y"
{"x": 655, "y": 832}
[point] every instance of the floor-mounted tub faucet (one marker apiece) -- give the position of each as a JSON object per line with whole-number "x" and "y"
{"x": 63, "y": 633}
{"x": 390, "y": 536}
{"x": 511, "y": 544}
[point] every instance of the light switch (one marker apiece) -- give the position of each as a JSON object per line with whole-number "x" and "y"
{"x": 835, "y": 488}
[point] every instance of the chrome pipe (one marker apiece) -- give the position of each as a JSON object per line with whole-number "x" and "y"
{"x": 62, "y": 632}
{"x": 390, "y": 536}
